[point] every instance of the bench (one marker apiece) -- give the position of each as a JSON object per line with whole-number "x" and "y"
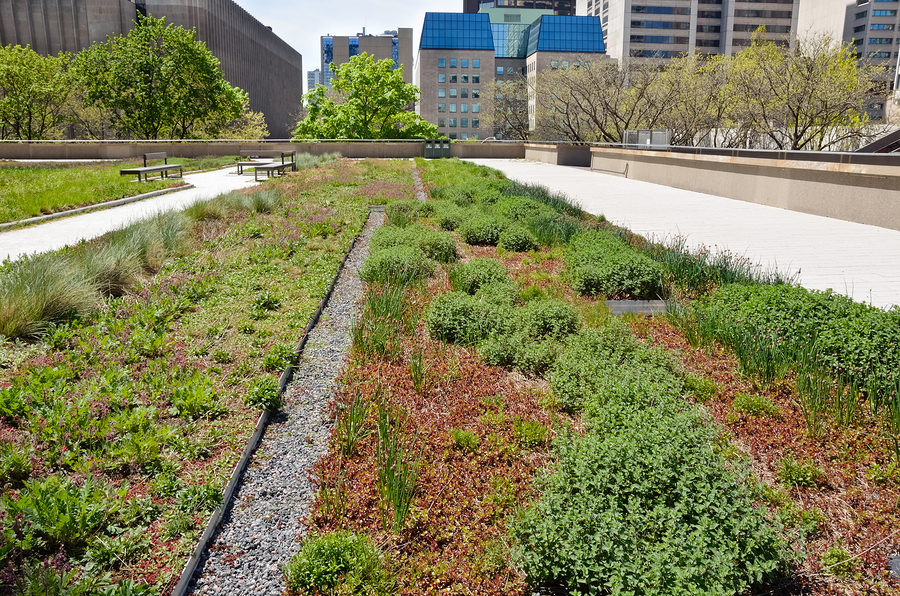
{"x": 255, "y": 156}
{"x": 271, "y": 168}
{"x": 147, "y": 170}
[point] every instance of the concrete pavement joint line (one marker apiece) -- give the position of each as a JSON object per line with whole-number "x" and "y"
{"x": 855, "y": 259}
{"x": 116, "y": 203}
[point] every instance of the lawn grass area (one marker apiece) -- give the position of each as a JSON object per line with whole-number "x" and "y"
{"x": 131, "y": 417}
{"x": 498, "y": 432}
{"x": 32, "y": 190}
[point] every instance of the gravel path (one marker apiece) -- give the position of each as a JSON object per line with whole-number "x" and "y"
{"x": 274, "y": 495}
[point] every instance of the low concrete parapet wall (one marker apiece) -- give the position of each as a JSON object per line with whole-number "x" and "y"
{"x": 861, "y": 193}
{"x": 560, "y": 155}
{"x": 120, "y": 150}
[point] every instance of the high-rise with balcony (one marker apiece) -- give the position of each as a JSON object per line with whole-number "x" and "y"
{"x": 663, "y": 29}
{"x": 395, "y": 45}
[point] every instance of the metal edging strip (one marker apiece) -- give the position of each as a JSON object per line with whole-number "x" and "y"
{"x": 215, "y": 521}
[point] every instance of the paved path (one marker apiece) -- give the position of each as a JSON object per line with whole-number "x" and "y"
{"x": 71, "y": 230}
{"x": 854, "y": 259}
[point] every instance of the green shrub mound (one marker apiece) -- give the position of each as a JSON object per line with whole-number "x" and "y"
{"x": 599, "y": 263}
{"x": 449, "y": 216}
{"x": 501, "y": 292}
{"x": 397, "y": 264}
{"x": 469, "y": 278}
{"x": 341, "y": 563}
{"x": 848, "y": 340}
{"x": 518, "y": 239}
{"x": 548, "y": 319}
{"x": 641, "y": 503}
{"x": 439, "y": 246}
{"x": 647, "y": 508}
{"x": 483, "y": 230}
{"x": 456, "y": 317}
{"x": 401, "y": 213}
{"x": 541, "y": 194}
{"x": 521, "y": 209}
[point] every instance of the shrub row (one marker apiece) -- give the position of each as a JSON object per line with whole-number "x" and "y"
{"x": 641, "y": 504}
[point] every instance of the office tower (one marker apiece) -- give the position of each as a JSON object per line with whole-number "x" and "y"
{"x": 558, "y": 7}
{"x": 396, "y": 45}
{"x": 313, "y": 78}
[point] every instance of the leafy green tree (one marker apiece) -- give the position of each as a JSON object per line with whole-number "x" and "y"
{"x": 33, "y": 93}
{"x": 370, "y": 100}
{"x": 158, "y": 81}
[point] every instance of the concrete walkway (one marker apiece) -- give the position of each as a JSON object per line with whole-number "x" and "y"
{"x": 72, "y": 230}
{"x": 857, "y": 260}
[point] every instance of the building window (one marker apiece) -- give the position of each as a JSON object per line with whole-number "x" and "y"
{"x": 452, "y": 108}
{"x": 880, "y": 27}
{"x": 476, "y": 93}
{"x": 464, "y": 63}
{"x": 565, "y": 64}
{"x": 510, "y": 70}
{"x": 452, "y": 92}
{"x": 442, "y": 78}
{"x": 442, "y": 93}
{"x": 442, "y": 63}
{"x": 862, "y": 15}
{"x": 452, "y": 136}
{"x": 442, "y": 107}
{"x": 474, "y": 108}
{"x": 709, "y": 29}
{"x": 476, "y": 63}
{"x": 453, "y": 79}
{"x": 499, "y": 71}
{"x": 473, "y": 136}
{"x": 554, "y": 64}
{"x": 464, "y": 79}
{"x": 884, "y": 13}
{"x": 464, "y": 92}
{"x": 881, "y": 41}
{"x": 476, "y": 79}
{"x": 452, "y": 122}
{"x": 442, "y": 122}
{"x": 475, "y": 123}
{"x": 452, "y": 62}
{"x": 707, "y": 43}
{"x": 464, "y": 137}
{"x": 464, "y": 108}
{"x": 464, "y": 123}
{"x": 879, "y": 55}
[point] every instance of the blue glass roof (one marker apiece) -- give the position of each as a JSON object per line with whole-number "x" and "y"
{"x": 457, "y": 31}
{"x": 555, "y": 33}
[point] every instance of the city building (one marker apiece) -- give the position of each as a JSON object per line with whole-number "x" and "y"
{"x": 313, "y": 78}
{"x": 396, "y": 45}
{"x": 559, "y": 7}
{"x": 870, "y": 25}
{"x": 252, "y": 57}
{"x": 662, "y": 29}
{"x": 462, "y": 53}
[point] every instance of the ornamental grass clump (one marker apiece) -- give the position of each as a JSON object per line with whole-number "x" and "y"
{"x": 598, "y": 263}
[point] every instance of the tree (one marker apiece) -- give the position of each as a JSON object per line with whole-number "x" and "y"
{"x": 250, "y": 125}
{"x": 158, "y": 81}
{"x": 505, "y": 108}
{"x": 810, "y": 96}
{"x": 369, "y": 100}
{"x": 33, "y": 93}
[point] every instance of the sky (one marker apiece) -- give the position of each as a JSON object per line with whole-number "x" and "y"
{"x": 301, "y": 22}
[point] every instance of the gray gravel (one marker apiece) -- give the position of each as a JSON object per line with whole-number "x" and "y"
{"x": 274, "y": 495}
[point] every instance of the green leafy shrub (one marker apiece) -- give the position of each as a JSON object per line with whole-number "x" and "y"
{"x": 449, "y": 216}
{"x": 401, "y": 213}
{"x": 598, "y": 263}
{"x": 436, "y": 245}
{"x": 541, "y": 194}
{"x": 340, "y": 563}
{"x": 464, "y": 440}
{"x": 499, "y": 293}
{"x": 598, "y": 523}
{"x": 838, "y": 561}
{"x": 195, "y": 397}
{"x": 456, "y": 317}
{"x": 263, "y": 394}
{"x": 554, "y": 319}
{"x": 398, "y": 264}
{"x": 469, "y": 278}
{"x": 792, "y": 472}
{"x": 483, "y": 230}
{"x": 518, "y": 239}
{"x": 755, "y": 406}
{"x": 278, "y": 358}
{"x": 521, "y": 209}
{"x": 702, "y": 388}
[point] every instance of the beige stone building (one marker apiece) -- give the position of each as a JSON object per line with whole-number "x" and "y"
{"x": 394, "y": 45}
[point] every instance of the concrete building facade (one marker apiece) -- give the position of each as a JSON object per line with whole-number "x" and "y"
{"x": 558, "y": 7}
{"x": 460, "y": 54}
{"x": 663, "y": 29}
{"x": 394, "y": 45}
{"x": 252, "y": 57}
